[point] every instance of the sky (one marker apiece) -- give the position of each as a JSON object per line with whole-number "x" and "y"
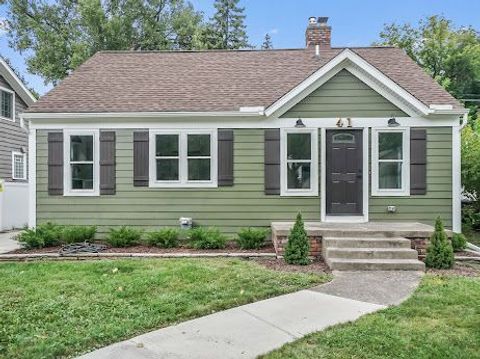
{"x": 354, "y": 22}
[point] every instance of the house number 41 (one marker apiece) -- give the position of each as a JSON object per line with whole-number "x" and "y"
{"x": 344, "y": 121}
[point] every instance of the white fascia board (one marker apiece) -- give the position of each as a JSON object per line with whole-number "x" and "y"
{"x": 315, "y": 79}
{"x": 16, "y": 83}
{"x": 118, "y": 115}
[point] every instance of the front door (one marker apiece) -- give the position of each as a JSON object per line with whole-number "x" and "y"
{"x": 344, "y": 173}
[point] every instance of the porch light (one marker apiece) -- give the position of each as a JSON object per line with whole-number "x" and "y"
{"x": 392, "y": 122}
{"x": 299, "y": 123}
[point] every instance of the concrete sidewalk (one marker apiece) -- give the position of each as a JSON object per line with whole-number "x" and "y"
{"x": 242, "y": 332}
{"x": 7, "y": 243}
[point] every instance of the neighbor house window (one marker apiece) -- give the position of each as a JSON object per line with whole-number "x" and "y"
{"x": 390, "y": 162}
{"x": 299, "y": 158}
{"x": 19, "y": 166}
{"x": 6, "y": 104}
{"x": 81, "y": 163}
{"x": 185, "y": 158}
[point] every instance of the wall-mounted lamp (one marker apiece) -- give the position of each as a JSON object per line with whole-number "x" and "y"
{"x": 392, "y": 122}
{"x": 299, "y": 123}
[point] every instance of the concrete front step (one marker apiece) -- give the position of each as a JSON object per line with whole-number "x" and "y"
{"x": 343, "y": 264}
{"x": 371, "y": 253}
{"x": 352, "y": 242}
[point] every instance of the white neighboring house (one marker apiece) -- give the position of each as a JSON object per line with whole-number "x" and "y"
{"x": 14, "y": 99}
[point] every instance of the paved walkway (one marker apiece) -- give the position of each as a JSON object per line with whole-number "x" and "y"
{"x": 257, "y": 328}
{"x": 8, "y": 244}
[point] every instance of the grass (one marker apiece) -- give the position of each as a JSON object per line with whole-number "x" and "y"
{"x": 61, "y": 309}
{"x": 441, "y": 320}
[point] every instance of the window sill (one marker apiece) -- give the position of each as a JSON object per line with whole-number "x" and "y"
{"x": 183, "y": 185}
{"x": 82, "y": 194}
{"x": 390, "y": 194}
{"x": 7, "y": 119}
{"x": 299, "y": 194}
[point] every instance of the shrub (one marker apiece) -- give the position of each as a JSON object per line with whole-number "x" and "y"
{"x": 164, "y": 238}
{"x": 459, "y": 242}
{"x": 439, "y": 251}
{"x": 44, "y": 235}
{"x": 207, "y": 238}
{"x": 74, "y": 234}
{"x": 298, "y": 246}
{"x": 123, "y": 237}
{"x": 252, "y": 238}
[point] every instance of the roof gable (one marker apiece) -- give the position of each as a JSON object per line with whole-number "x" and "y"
{"x": 344, "y": 95}
{"x": 15, "y": 83}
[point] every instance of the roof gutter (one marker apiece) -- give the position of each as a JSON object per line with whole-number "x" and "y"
{"x": 85, "y": 115}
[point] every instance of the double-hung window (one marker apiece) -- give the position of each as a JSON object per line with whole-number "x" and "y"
{"x": 390, "y": 162}
{"x": 19, "y": 166}
{"x": 299, "y": 162}
{"x": 7, "y": 105}
{"x": 81, "y": 158}
{"x": 183, "y": 158}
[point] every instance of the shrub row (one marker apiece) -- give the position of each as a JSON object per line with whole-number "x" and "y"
{"x": 50, "y": 234}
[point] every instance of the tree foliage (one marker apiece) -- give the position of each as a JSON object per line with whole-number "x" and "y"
{"x": 471, "y": 163}
{"x": 227, "y": 29}
{"x": 450, "y": 55}
{"x": 440, "y": 251}
{"x": 298, "y": 246}
{"x": 267, "y": 42}
{"x": 59, "y": 36}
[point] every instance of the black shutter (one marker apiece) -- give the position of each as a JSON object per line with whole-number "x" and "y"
{"x": 55, "y": 163}
{"x": 272, "y": 161}
{"x": 140, "y": 159}
{"x": 418, "y": 161}
{"x": 107, "y": 162}
{"x": 225, "y": 157}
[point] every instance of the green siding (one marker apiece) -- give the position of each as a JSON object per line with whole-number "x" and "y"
{"x": 344, "y": 95}
{"x": 229, "y": 208}
{"x": 438, "y": 200}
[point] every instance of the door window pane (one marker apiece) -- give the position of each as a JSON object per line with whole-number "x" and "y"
{"x": 199, "y": 169}
{"x": 390, "y": 175}
{"x": 167, "y": 169}
{"x": 298, "y": 175}
{"x": 82, "y": 176}
{"x": 298, "y": 146}
{"x": 166, "y": 145}
{"x": 199, "y": 145}
{"x": 390, "y": 146}
{"x": 81, "y": 148}
{"x": 343, "y": 138}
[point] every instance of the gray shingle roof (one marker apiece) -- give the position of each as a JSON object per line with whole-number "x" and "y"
{"x": 214, "y": 80}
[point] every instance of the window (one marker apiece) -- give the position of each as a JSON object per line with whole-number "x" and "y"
{"x": 81, "y": 163}
{"x": 19, "y": 166}
{"x": 184, "y": 158}
{"x": 299, "y": 158}
{"x": 6, "y": 104}
{"x": 390, "y": 162}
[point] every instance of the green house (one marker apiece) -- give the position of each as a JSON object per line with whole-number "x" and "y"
{"x": 245, "y": 138}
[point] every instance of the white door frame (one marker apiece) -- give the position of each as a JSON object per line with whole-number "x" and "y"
{"x": 323, "y": 177}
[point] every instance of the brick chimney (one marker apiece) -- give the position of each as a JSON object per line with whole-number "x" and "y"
{"x": 318, "y": 33}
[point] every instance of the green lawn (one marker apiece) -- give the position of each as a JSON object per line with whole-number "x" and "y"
{"x": 441, "y": 320}
{"x": 58, "y": 309}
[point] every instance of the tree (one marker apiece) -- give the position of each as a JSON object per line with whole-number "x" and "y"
{"x": 298, "y": 246}
{"x": 450, "y": 55}
{"x": 267, "y": 42}
{"x": 227, "y": 29}
{"x": 59, "y": 36}
{"x": 439, "y": 251}
{"x": 471, "y": 163}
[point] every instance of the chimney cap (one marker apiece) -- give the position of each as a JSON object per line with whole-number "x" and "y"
{"x": 322, "y": 20}
{"x": 312, "y": 20}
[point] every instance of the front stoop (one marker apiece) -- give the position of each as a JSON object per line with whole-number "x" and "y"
{"x": 388, "y": 253}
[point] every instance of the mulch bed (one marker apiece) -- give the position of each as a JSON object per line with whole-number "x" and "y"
{"x": 467, "y": 254}
{"x": 317, "y": 266}
{"x": 230, "y": 248}
{"x": 466, "y": 269}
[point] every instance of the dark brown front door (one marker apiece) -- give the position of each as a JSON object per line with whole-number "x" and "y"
{"x": 344, "y": 172}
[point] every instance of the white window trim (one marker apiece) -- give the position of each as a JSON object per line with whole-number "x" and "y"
{"x": 405, "y": 190}
{"x": 12, "y": 119}
{"x": 24, "y": 155}
{"x": 183, "y": 181}
{"x": 313, "y": 191}
{"x": 67, "y": 172}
